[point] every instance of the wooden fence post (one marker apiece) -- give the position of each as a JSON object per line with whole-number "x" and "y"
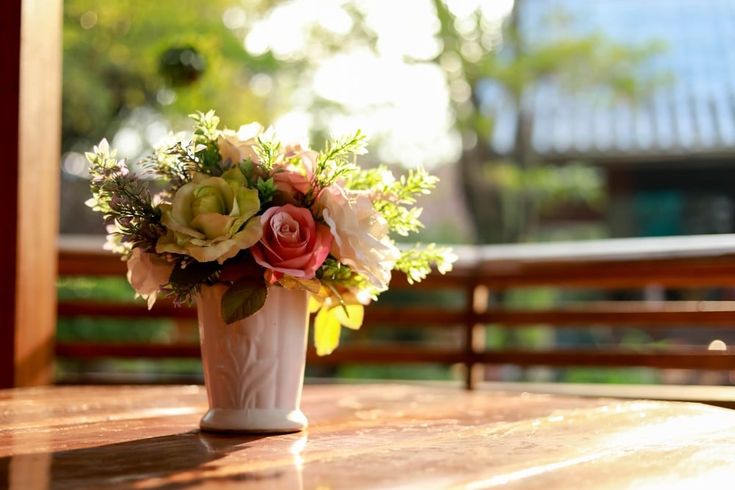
{"x": 477, "y": 296}
{"x": 30, "y": 95}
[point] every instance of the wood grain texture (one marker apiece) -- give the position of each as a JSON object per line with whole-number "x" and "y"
{"x": 33, "y": 225}
{"x": 366, "y": 436}
{"x": 38, "y": 197}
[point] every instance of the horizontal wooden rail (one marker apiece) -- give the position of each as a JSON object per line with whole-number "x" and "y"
{"x": 707, "y": 260}
{"x": 639, "y": 314}
{"x": 643, "y": 264}
{"x": 679, "y": 359}
{"x": 86, "y": 308}
{"x": 674, "y": 359}
{"x": 671, "y": 314}
{"x": 390, "y": 354}
{"x": 351, "y": 354}
{"x": 99, "y": 350}
{"x": 163, "y": 309}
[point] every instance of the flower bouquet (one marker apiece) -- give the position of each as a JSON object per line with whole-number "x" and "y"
{"x": 259, "y": 235}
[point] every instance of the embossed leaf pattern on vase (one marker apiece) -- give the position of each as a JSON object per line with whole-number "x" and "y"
{"x": 242, "y": 374}
{"x": 257, "y": 362}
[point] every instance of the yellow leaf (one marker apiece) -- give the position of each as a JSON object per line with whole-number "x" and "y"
{"x": 289, "y": 282}
{"x": 352, "y": 318}
{"x": 326, "y": 332}
{"x": 314, "y": 304}
{"x": 311, "y": 285}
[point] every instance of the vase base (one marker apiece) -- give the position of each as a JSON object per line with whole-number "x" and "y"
{"x": 254, "y": 420}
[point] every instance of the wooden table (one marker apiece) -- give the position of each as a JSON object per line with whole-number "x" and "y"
{"x": 363, "y": 436}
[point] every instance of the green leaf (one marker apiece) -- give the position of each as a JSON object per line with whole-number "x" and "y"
{"x": 243, "y": 299}
{"x": 266, "y": 190}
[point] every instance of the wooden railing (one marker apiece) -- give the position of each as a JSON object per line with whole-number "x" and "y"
{"x": 651, "y": 265}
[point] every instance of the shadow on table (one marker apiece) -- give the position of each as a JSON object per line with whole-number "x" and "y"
{"x": 163, "y": 463}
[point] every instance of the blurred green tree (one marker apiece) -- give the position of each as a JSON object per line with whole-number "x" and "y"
{"x": 176, "y": 57}
{"x": 505, "y": 197}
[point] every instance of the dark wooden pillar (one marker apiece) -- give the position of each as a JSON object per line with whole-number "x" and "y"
{"x": 30, "y": 128}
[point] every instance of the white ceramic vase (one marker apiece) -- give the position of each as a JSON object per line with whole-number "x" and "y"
{"x": 254, "y": 368}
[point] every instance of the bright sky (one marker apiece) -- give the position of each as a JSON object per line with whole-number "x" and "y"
{"x": 403, "y": 105}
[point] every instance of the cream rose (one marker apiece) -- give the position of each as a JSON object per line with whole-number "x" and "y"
{"x": 238, "y": 146}
{"x": 360, "y": 234}
{"x": 211, "y": 218}
{"x": 147, "y": 272}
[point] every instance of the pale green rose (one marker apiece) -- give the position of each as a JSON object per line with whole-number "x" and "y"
{"x": 211, "y": 218}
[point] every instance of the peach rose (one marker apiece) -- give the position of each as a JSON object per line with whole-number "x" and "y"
{"x": 292, "y": 243}
{"x": 235, "y": 147}
{"x": 147, "y": 273}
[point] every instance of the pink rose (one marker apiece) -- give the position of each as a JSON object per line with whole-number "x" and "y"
{"x": 296, "y": 172}
{"x": 290, "y": 182}
{"x": 292, "y": 243}
{"x": 295, "y": 155}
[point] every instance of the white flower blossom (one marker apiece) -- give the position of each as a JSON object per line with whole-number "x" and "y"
{"x": 360, "y": 234}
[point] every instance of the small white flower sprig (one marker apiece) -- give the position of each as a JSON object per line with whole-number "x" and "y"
{"x": 239, "y": 209}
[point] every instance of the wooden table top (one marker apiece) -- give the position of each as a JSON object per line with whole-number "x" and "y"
{"x": 363, "y": 436}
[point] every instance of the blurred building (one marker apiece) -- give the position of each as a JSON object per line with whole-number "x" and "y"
{"x": 670, "y": 159}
